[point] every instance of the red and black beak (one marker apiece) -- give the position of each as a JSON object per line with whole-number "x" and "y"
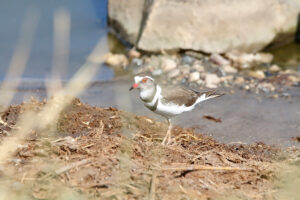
{"x": 135, "y": 85}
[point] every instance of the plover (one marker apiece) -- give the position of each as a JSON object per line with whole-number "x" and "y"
{"x": 168, "y": 102}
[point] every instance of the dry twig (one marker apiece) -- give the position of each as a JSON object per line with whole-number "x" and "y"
{"x": 71, "y": 166}
{"x": 152, "y": 187}
{"x": 201, "y": 167}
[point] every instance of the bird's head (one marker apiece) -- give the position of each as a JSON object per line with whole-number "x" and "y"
{"x": 143, "y": 83}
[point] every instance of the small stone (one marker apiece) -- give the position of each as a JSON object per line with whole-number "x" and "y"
{"x": 266, "y": 87}
{"x": 115, "y": 60}
{"x": 289, "y": 71}
{"x": 156, "y": 72}
{"x": 226, "y": 78}
{"x": 132, "y": 53}
{"x": 198, "y": 67}
{"x": 136, "y": 61}
{"x": 173, "y": 73}
{"x": 229, "y": 69}
{"x": 263, "y": 57}
{"x": 247, "y": 87}
{"x": 239, "y": 80}
{"x": 274, "y": 68}
{"x": 168, "y": 64}
{"x": 187, "y": 60}
{"x": 218, "y": 59}
{"x": 212, "y": 80}
{"x": 195, "y": 76}
{"x": 242, "y": 60}
{"x": 294, "y": 79}
{"x": 259, "y": 74}
{"x": 195, "y": 54}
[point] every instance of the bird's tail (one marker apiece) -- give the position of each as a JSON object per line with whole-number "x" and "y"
{"x": 203, "y": 96}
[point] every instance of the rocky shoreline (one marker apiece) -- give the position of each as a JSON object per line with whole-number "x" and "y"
{"x": 251, "y": 72}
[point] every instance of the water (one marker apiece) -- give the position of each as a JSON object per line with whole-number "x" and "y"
{"x": 288, "y": 56}
{"x": 88, "y": 25}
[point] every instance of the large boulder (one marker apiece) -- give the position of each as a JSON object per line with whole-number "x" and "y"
{"x": 126, "y": 17}
{"x": 212, "y": 26}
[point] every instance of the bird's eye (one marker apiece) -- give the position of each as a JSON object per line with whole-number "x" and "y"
{"x": 144, "y": 80}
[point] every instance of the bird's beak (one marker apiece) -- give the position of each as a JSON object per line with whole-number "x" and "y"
{"x": 135, "y": 85}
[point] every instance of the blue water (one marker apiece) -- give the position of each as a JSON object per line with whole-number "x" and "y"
{"x": 88, "y": 25}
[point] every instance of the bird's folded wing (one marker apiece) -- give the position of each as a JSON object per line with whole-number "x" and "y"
{"x": 179, "y": 96}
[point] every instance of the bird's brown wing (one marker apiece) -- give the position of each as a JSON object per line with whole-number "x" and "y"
{"x": 179, "y": 96}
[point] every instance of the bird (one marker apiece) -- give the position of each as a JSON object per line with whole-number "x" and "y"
{"x": 169, "y": 101}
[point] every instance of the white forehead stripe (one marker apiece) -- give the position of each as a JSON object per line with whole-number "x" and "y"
{"x": 137, "y": 79}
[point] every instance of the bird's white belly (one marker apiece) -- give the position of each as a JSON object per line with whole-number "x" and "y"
{"x": 171, "y": 109}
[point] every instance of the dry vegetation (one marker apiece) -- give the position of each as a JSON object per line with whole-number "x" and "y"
{"x": 92, "y": 152}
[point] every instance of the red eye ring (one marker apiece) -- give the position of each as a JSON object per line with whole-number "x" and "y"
{"x": 144, "y": 80}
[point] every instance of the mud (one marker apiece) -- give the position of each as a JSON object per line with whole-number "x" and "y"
{"x": 105, "y": 153}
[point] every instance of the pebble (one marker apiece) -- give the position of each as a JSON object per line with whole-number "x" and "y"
{"x": 239, "y": 80}
{"x": 266, "y": 87}
{"x": 212, "y": 80}
{"x": 229, "y": 69}
{"x": 246, "y": 59}
{"x": 226, "y": 78}
{"x": 263, "y": 57}
{"x": 218, "y": 59}
{"x": 137, "y": 61}
{"x": 274, "y": 68}
{"x": 198, "y": 67}
{"x": 195, "y": 76}
{"x": 187, "y": 60}
{"x": 294, "y": 79}
{"x": 116, "y": 60}
{"x": 259, "y": 74}
{"x": 132, "y": 53}
{"x": 173, "y": 73}
{"x": 195, "y": 54}
{"x": 168, "y": 64}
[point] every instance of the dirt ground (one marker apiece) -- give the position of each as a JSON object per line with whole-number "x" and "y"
{"x": 105, "y": 153}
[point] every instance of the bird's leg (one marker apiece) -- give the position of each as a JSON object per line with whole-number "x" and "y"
{"x": 167, "y": 138}
{"x": 169, "y": 132}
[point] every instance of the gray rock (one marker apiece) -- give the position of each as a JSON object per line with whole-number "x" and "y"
{"x": 212, "y": 26}
{"x": 126, "y": 17}
{"x": 187, "y": 60}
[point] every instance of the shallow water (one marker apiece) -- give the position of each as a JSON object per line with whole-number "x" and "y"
{"x": 88, "y": 25}
{"x": 288, "y": 56}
